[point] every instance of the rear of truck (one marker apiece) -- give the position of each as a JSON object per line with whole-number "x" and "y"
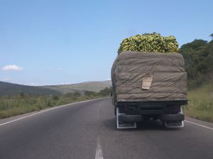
{"x": 149, "y": 86}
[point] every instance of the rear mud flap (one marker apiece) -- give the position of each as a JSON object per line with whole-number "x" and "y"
{"x": 174, "y": 124}
{"x": 123, "y": 125}
{"x": 179, "y": 124}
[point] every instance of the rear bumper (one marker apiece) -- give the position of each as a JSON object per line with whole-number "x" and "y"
{"x": 150, "y": 107}
{"x": 139, "y": 118}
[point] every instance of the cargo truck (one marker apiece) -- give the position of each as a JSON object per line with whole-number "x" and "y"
{"x": 149, "y": 86}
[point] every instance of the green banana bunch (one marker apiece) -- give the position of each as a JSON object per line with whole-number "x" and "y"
{"x": 153, "y": 42}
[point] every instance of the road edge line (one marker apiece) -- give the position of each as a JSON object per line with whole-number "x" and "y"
{"x": 46, "y": 110}
{"x": 199, "y": 125}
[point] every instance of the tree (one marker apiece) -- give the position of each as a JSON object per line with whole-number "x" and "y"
{"x": 73, "y": 96}
{"x": 209, "y": 52}
{"x": 89, "y": 93}
{"x": 105, "y": 92}
{"x": 211, "y": 35}
{"x": 196, "y": 58}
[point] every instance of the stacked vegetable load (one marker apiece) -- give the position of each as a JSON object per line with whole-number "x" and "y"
{"x": 153, "y": 42}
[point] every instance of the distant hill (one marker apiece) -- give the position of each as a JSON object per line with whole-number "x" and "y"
{"x": 94, "y": 86}
{"x": 11, "y": 89}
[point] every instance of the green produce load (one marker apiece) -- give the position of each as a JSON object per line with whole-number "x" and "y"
{"x": 153, "y": 42}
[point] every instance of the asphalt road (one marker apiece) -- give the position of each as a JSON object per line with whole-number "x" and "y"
{"x": 87, "y": 131}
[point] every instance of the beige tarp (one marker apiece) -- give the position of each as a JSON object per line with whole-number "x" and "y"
{"x": 165, "y": 72}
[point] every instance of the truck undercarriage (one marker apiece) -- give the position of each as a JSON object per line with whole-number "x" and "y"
{"x": 169, "y": 112}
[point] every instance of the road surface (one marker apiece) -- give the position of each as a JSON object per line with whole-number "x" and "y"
{"x": 87, "y": 130}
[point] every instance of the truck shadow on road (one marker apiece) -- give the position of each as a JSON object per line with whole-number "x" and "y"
{"x": 141, "y": 126}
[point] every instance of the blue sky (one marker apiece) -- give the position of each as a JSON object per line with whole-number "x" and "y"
{"x": 45, "y": 42}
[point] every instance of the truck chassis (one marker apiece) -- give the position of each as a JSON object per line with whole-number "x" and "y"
{"x": 169, "y": 112}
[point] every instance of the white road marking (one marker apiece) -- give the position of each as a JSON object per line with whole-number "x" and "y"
{"x": 199, "y": 125}
{"x": 42, "y": 111}
{"x": 98, "y": 154}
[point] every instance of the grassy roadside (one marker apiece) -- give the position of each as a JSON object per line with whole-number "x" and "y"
{"x": 22, "y": 103}
{"x": 200, "y": 105}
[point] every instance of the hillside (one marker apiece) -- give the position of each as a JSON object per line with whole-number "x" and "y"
{"x": 94, "y": 86}
{"x": 11, "y": 89}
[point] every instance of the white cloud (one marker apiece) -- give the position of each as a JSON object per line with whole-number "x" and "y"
{"x": 55, "y": 69}
{"x": 12, "y": 67}
{"x": 34, "y": 84}
{"x": 58, "y": 69}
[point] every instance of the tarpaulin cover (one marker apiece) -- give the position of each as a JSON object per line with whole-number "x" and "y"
{"x": 169, "y": 79}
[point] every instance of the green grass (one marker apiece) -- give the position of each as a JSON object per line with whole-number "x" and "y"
{"x": 21, "y": 103}
{"x": 200, "y": 105}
